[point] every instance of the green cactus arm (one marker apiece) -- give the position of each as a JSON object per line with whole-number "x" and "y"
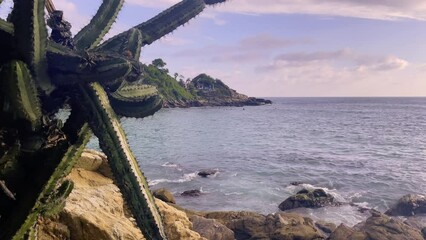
{"x": 63, "y": 168}
{"x": 69, "y": 68}
{"x": 6, "y": 27}
{"x": 31, "y": 39}
{"x": 128, "y": 175}
{"x": 129, "y": 45}
{"x": 19, "y": 95}
{"x": 91, "y": 35}
{"x": 136, "y": 101}
{"x": 165, "y": 22}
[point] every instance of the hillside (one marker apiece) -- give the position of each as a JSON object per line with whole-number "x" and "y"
{"x": 203, "y": 90}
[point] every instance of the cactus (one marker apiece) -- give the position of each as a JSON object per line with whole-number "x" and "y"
{"x": 136, "y": 100}
{"x": 39, "y": 76}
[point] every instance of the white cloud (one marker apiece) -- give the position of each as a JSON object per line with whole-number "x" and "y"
{"x": 371, "y": 9}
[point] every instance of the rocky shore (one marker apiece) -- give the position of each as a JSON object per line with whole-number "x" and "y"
{"x": 96, "y": 210}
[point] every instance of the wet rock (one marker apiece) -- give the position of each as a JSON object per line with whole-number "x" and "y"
{"x": 249, "y": 225}
{"x": 207, "y": 172}
{"x": 325, "y": 226}
{"x": 192, "y": 193}
{"x": 408, "y": 205}
{"x": 424, "y": 232}
{"x": 211, "y": 228}
{"x": 164, "y": 195}
{"x": 296, "y": 183}
{"x": 308, "y": 199}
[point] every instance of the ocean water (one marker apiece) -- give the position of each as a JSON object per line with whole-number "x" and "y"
{"x": 367, "y": 151}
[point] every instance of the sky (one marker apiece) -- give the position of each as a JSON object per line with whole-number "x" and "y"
{"x": 287, "y": 48}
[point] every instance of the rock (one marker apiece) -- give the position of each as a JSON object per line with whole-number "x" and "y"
{"x": 293, "y": 226}
{"x": 192, "y": 193}
{"x": 95, "y": 209}
{"x": 208, "y": 172}
{"x": 342, "y": 232}
{"x": 249, "y": 225}
{"x": 296, "y": 183}
{"x": 177, "y": 224}
{"x": 211, "y": 229}
{"x": 378, "y": 227}
{"x": 408, "y": 205}
{"x": 90, "y": 160}
{"x": 424, "y": 232}
{"x": 325, "y": 226}
{"x": 164, "y": 195}
{"x": 308, "y": 199}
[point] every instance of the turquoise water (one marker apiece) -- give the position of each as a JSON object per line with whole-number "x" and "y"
{"x": 368, "y": 151}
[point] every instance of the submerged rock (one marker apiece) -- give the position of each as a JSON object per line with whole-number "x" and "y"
{"x": 164, "y": 195}
{"x": 409, "y": 205}
{"x": 192, "y": 193}
{"x": 308, "y": 199}
{"x": 207, "y": 172}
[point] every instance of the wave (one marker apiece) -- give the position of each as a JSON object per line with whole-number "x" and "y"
{"x": 172, "y": 165}
{"x": 185, "y": 178}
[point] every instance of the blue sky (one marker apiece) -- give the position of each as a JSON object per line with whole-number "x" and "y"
{"x": 289, "y": 47}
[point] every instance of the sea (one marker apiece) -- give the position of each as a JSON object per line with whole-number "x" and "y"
{"x": 366, "y": 152}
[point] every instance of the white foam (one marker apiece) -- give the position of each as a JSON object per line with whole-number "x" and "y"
{"x": 185, "y": 178}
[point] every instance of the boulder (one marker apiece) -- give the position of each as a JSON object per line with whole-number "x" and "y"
{"x": 249, "y": 225}
{"x": 211, "y": 229}
{"x": 192, "y": 193}
{"x": 378, "y": 227}
{"x": 177, "y": 224}
{"x": 164, "y": 195}
{"x": 90, "y": 160}
{"x": 315, "y": 198}
{"x": 408, "y": 205}
{"x": 207, "y": 172}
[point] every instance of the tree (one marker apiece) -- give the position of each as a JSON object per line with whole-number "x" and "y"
{"x": 159, "y": 63}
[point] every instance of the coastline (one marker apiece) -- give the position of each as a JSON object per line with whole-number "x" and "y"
{"x": 95, "y": 208}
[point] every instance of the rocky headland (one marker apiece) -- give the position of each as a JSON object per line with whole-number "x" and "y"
{"x": 96, "y": 210}
{"x": 201, "y": 91}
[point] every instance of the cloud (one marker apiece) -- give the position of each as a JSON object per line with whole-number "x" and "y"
{"x": 343, "y": 59}
{"x": 248, "y": 49}
{"x": 370, "y": 9}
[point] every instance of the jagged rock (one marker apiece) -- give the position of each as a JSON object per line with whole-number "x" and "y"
{"x": 95, "y": 209}
{"x": 207, "y": 172}
{"x": 177, "y": 223}
{"x": 308, "y": 199}
{"x": 211, "y": 229}
{"x": 164, "y": 195}
{"x": 408, "y": 205}
{"x": 378, "y": 227}
{"x": 249, "y": 225}
{"x": 326, "y": 227}
{"x": 192, "y": 193}
{"x": 341, "y": 232}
